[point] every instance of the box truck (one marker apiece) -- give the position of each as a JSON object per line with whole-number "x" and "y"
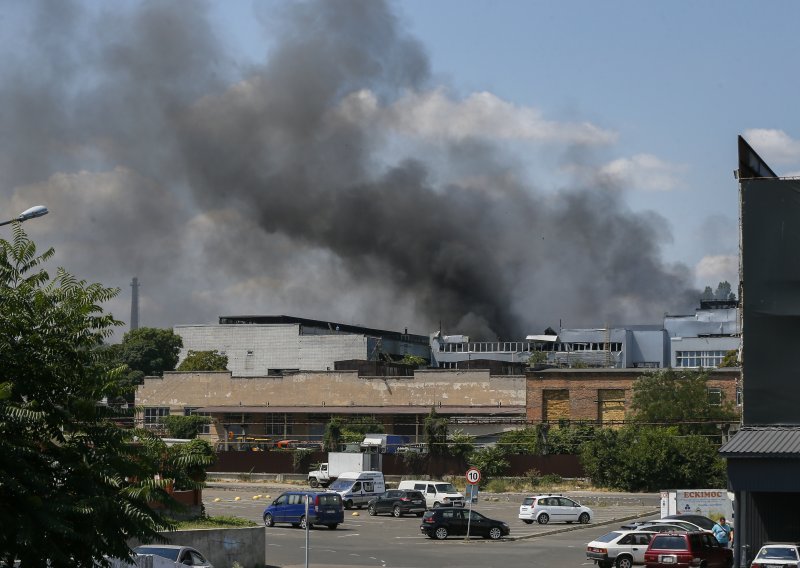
{"x": 339, "y": 462}
{"x": 712, "y": 503}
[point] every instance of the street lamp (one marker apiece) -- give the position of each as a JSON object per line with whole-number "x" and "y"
{"x": 33, "y": 212}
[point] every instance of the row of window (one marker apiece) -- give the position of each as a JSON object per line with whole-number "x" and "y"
{"x": 696, "y": 359}
{"x": 523, "y": 347}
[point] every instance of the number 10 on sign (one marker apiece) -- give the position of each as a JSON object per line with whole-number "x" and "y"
{"x": 473, "y": 475}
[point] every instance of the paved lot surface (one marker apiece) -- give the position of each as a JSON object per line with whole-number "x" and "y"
{"x": 388, "y": 542}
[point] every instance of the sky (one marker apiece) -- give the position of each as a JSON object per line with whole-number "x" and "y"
{"x": 481, "y": 167}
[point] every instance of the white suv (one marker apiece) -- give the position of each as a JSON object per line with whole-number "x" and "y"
{"x": 556, "y": 508}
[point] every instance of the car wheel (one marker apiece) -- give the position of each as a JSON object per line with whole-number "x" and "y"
{"x": 495, "y": 533}
{"x": 313, "y": 482}
{"x": 441, "y": 533}
{"x": 543, "y": 519}
{"x": 624, "y": 562}
{"x": 527, "y": 521}
{"x": 584, "y": 518}
{"x": 436, "y": 505}
{"x": 348, "y": 504}
{"x": 303, "y": 522}
{"x": 397, "y": 512}
{"x": 371, "y": 510}
{"x": 268, "y": 520}
{"x": 333, "y": 526}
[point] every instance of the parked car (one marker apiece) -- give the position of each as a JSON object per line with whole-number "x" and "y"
{"x": 290, "y": 507}
{"x": 666, "y": 525}
{"x": 452, "y": 521}
{"x": 777, "y": 554}
{"x": 436, "y": 492}
{"x": 702, "y": 522}
{"x": 398, "y": 502}
{"x": 185, "y": 555}
{"x": 681, "y": 550}
{"x": 623, "y": 548}
{"x": 553, "y": 508}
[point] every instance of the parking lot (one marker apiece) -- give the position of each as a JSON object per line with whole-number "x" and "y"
{"x": 363, "y": 540}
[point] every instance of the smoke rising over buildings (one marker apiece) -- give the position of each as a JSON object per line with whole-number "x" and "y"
{"x": 335, "y": 179}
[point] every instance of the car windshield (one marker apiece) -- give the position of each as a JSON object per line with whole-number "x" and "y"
{"x": 608, "y": 537}
{"x": 445, "y": 488}
{"x": 341, "y": 484}
{"x": 330, "y": 499}
{"x": 778, "y": 553}
{"x": 528, "y": 501}
{"x": 171, "y": 553}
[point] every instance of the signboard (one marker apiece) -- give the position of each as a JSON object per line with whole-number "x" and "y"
{"x": 471, "y": 493}
{"x": 473, "y": 475}
{"x": 711, "y": 503}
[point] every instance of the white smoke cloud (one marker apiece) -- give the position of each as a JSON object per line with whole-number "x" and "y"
{"x": 711, "y": 270}
{"x": 775, "y": 146}
{"x": 645, "y": 172}
{"x": 483, "y": 115}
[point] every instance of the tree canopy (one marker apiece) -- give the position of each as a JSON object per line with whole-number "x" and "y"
{"x": 681, "y": 398}
{"x": 150, "y": 350}
{"x": 73, "y": 486}
{"x": 204, "y": 361}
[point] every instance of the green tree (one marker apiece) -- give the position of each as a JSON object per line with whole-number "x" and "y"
{"x": 185, "y": 427}
{"x": 523, "y": 441}
{"x": 73, "y": 485}
{"x": 491, "y": 461}
{"x": 708, "y": 294}
{"x": 723, "y": 291}
{"x": 731, "y": 359}
{"x": 150, "y": 350}
{"x": 537, "y": 358}
{"x": 204, "y": 361}
{"x": 681, "y": 398}
{"x": 414, "y": 361}
{"x": 332, "y": 438}
{"x": 435, "y": 427}
{"x": 460, "y": 445}
{"x": 569, "y": 437}
{"x": 644, "y": 458}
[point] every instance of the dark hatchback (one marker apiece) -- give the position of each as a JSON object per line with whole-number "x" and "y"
{"x": 676, "y": 550}
{"x": 453, "y": 521}
{"x": 398, "y": 502}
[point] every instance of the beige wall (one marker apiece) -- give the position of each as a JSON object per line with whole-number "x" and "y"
{"x": 332, "y": 388}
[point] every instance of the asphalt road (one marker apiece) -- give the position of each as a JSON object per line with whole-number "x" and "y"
{"x": 384, "y": 541}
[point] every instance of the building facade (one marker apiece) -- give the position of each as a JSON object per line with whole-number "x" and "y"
{"x": 271, "y": 345}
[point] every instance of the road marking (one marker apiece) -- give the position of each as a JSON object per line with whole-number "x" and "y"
{"x": 348, "y": 535}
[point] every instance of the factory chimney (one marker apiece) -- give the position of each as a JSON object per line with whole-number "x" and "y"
{"x": 135, "y": 304}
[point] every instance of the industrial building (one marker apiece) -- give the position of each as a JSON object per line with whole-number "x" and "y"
{"x": 272, "y": 345}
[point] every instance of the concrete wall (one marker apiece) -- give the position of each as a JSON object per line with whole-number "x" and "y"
{"x": 223, "y": 547}
{"x": 331, "y": 388}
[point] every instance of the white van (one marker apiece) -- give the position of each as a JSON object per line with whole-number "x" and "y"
{"x": 436, "y": 492}
{"x": 357, "y": 487}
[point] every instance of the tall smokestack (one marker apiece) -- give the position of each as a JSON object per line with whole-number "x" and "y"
{"x": 135, "y": 304}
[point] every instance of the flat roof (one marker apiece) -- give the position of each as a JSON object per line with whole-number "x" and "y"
{"x": 443, "y": 410}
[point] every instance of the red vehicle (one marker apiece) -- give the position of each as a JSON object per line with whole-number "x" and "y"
{"x": 682, "y": 550}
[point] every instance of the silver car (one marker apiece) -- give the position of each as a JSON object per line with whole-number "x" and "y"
{"x": 553, "y": 508}
{"x": 181, "y": 555}
{"x": 623, "y": 548}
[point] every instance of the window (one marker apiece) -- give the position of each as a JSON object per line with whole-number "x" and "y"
{"x": 192, "y": 411}
{"x": 696, "y": 359}
{"x": 153, "y": 414}
{"x": 276, "y": 424}
{"x": 715, "y": 396}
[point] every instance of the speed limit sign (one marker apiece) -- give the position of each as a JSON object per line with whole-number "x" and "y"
{"x": 473, "y": 475}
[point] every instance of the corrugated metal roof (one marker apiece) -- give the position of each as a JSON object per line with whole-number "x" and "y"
{"x": 444, "y": 410}
{"x": 778, "y": 441}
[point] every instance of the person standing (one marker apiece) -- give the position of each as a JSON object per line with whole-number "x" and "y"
{"x": 722, "y": 531}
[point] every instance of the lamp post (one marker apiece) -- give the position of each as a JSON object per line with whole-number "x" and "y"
{"x": 32, "y": 213}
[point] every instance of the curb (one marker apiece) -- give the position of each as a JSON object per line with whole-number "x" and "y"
{"x": 579, "y": 527}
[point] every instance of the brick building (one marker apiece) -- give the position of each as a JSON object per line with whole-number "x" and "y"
{"x": 602, "y": 395}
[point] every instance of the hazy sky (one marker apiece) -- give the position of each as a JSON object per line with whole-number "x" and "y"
{"x": 498, "y": 167}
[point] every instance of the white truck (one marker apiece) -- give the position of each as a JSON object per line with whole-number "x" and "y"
{"x": 340, "y": 462}
{"x": 712, "y": 503}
